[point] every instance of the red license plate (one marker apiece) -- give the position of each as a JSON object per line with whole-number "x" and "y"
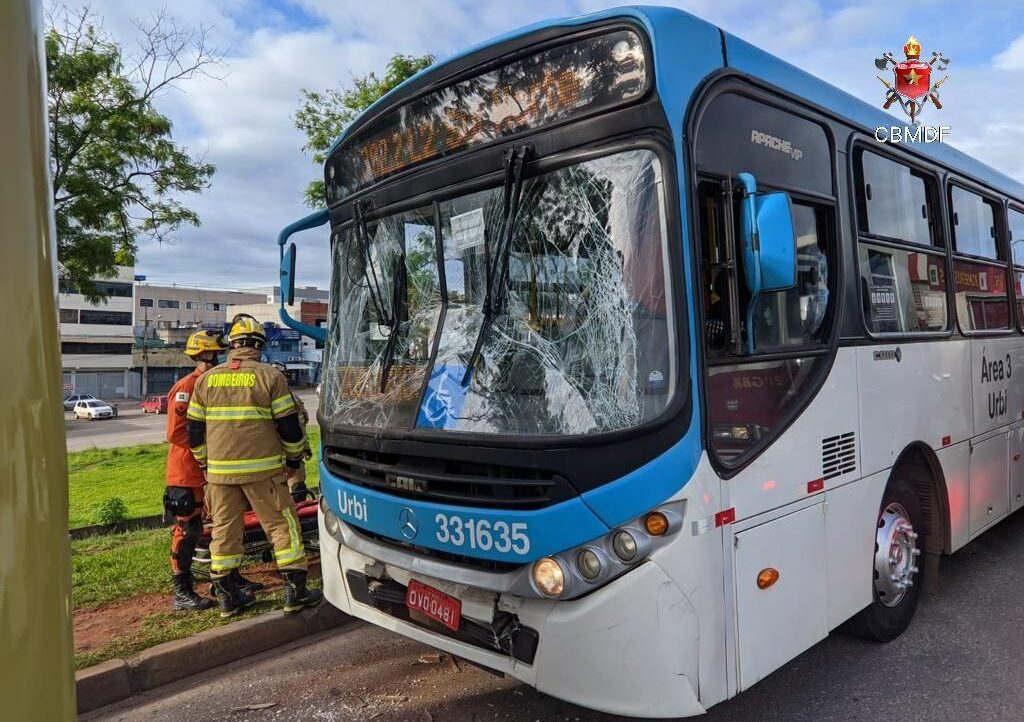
{"x": 435, "y": 604}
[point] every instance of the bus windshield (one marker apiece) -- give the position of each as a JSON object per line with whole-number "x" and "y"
{"x": 579, "y": 339}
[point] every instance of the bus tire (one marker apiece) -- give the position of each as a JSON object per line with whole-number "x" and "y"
{"x": 897, "y": 580}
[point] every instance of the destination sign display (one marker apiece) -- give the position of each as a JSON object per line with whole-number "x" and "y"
{"x": 553, "y": 86}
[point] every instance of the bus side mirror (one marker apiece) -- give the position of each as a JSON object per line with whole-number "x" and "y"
{"x": 772, "y": 229}
{"x": 287, "y": 271}
{"x": 769, "y": 239}
{"x": 769, "y": 244}
{"x": 288, "y": 275}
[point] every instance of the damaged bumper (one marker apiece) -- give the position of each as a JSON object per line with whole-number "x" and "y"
{"x": 630, "y": 647}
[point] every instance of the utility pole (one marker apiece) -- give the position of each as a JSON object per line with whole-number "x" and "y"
{"x": 145, "y": 354}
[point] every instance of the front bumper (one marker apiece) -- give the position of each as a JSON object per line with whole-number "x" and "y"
{"x": 628, "y": 648}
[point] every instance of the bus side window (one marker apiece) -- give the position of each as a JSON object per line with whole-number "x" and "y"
{"x": 1016, "y": 229}
{"x": 902, "y": 266}
{"x": 750, "y": 397}
{"x": 979, "y": 281}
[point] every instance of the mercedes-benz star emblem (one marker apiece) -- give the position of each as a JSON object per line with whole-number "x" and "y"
{"x": 407, "y": 523}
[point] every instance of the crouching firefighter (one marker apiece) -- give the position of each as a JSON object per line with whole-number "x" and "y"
{"x": 183, "y": 498}
{"x": 244, "y": 430}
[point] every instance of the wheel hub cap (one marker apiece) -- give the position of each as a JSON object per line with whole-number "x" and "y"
{"x": 895, "y": 555}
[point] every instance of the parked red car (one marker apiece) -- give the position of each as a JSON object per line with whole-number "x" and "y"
{"x": 155, "y": 404}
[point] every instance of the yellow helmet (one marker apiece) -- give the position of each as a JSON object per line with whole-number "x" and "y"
{"x": 203, "y": 341}
{"x": 244, "y": 326}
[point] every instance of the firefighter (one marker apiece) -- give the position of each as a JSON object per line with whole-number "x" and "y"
{"x": 297, "y": 477}
{"x": 244, "y": 431}
{"x": 183, "y": 498}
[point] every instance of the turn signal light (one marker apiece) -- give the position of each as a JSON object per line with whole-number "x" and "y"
{"x": 656, "y": 523}
{"x": 767, "y": 577}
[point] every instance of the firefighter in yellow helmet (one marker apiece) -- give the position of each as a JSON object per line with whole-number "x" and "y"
{"x": 244, "y": 431}
{"x": 183, "y": 497}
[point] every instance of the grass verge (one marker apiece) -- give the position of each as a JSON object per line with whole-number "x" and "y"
{"x": 117, "y": 566}
{"x": 108, "y": 570}
{"x": 134, "y": 474}
{"x": 112, "y": 568}
{"x": 168, "y": 626}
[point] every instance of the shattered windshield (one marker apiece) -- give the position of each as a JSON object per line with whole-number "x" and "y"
{"x": 580, "y": 343}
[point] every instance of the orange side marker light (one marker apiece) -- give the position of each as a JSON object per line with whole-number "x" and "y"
{"x": 767, "y": 577}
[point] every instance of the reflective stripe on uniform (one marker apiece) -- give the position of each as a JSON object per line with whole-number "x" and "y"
{"x": 282, "y": 405}
{"x": 296, "y": 552}
{"x": 244, "y": 466}
{"x": 237, "y": 413}
{"x": 294, "y": 447}
{"x": 196, "y": 411}
{"x": 225, "y": 563}
{"x": 199, "y": 452}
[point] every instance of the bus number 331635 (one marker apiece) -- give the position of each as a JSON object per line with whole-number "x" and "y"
{"x": 481, "y": 534}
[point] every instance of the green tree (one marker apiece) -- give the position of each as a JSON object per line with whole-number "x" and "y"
{"x": 115, "y": 168}
{"x": 324, "y": 115}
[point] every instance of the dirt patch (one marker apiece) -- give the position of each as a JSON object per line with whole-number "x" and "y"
{"x": 96, "y": 627}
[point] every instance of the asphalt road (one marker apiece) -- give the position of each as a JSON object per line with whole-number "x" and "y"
{"x": 134, "y": 427}
{"x": 960, "y": 660}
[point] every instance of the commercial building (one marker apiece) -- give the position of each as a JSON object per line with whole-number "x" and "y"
{"x": 165, "y": 316}
{"x": 176, "y": 306}
{"x": 305, "y": 293}
{"x": 96, "y": 339}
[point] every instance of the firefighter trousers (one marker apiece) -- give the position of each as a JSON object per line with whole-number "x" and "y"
{"x": 185, "y": 504}
{"x": 275, "y": 510}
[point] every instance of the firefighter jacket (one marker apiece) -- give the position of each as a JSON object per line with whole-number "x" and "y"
{"x": 242, "y": 421}
{"x": 182, "y": 468}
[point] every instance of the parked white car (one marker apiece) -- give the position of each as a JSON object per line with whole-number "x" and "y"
{"x": 93, "y": 409}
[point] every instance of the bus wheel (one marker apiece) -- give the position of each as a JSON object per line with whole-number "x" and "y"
{"x": 897, "y": 581}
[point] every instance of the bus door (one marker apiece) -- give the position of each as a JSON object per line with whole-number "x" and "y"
{"x": 758, "y": 378}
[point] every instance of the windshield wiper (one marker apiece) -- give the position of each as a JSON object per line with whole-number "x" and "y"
{"x": 369, "y": 271}
{"x": 497, "y": 260}
{"x": 398, "y": 312}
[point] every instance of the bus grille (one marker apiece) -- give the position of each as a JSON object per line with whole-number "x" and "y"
{"x": 449, "y": 481}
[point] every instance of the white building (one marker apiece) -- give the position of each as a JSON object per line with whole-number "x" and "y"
{"x": 303, "y": 293}
{"x": 177, "y": 306}
{"x": 97, "y": 339}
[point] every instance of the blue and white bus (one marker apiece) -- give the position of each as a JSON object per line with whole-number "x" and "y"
{"x": 648, "y": 365}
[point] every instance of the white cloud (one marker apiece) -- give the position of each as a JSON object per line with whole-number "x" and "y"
{"x": 1013, "y": 57}
{"x": 243, "y": 122}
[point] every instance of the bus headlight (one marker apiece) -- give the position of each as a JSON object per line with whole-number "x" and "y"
{"x": 548, "y": 577}
{"x": 331, "y": 522}
{"x": 589, "y": 564}
{"x": 624, "y": 545}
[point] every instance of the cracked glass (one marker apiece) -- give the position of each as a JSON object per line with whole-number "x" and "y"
{"x": 385, "y": 306}
{"x": 580, "y": 340}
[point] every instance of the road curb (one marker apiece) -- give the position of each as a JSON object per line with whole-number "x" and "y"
{"x": 143, "y": 522}
{"x": 118, "y": 679}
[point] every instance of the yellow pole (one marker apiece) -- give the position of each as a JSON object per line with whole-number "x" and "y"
{"x": 36, "y": 673}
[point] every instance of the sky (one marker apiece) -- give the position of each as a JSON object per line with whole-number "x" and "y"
{"x": 241, "y": 121}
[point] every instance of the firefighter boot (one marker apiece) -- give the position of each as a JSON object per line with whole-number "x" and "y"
{"x": 185, "y": 597}
{"x": 246, "y": 585}
{"x": 296, "y": 596}
{"x": 230, "y": 597}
